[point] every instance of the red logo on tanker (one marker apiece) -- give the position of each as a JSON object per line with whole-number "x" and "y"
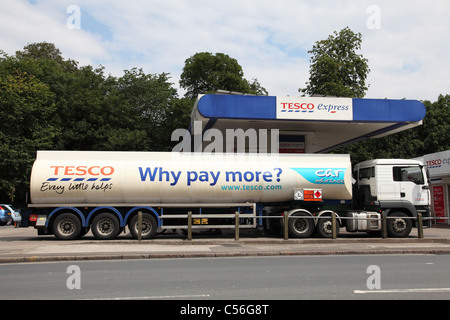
{"x": 102, "y": 173}
{"x": 82, "y": 170}
{"x": 81, "y": 178}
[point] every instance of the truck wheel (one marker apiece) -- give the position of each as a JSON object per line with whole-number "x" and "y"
{"x": 149, "y": 226}
{"x": 105, "y": 226}
{"x": 66, "y": 226}
{"x": 300, "y": 227}
{"x": 398, "y": 226}
{"x": 325, "y": 227}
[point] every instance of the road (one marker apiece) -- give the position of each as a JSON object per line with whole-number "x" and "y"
{"x": 24, "y": 245}
{"x": 235, "y": 278}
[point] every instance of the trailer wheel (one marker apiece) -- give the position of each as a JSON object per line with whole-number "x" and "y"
{"x": 300, "y": 227}
{"x": 398, "y": 226}
{"x": 105, "y": 226}
{"x": 66, "y": 226}
{"x": 149, "y": 226}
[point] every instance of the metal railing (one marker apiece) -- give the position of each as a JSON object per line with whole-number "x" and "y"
{"x": 285, "y": 217}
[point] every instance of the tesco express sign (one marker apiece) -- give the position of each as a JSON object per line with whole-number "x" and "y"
{"x": 314, "y": 108}
{"x": 438, "y": 163}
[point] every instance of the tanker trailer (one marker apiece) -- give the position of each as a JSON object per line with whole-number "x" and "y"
{"x": 72, "y": 192}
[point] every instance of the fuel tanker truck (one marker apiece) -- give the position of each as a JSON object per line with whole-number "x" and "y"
{"x": 72, "y": 192}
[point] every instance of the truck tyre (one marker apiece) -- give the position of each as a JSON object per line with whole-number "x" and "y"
{"x": 397, "y": 226}
{"x": 149, "y": 226}
{"x": 105, "y": 226}
{"x": 302, "y": 226}
{"x": 67, "y": 226}
{"x": 325, "y": 227}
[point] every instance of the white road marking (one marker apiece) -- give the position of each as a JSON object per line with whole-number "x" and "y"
{"x": 420, "y": 290}
{"x": 155, "y": 297}
{"x": 113, "y": 248}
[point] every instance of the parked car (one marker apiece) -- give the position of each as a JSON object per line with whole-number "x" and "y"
{"x": 15, "y": 214}
{"x": 5, "y": 215}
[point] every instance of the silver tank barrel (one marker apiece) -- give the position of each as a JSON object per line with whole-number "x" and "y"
{"x": 90, "y": 177}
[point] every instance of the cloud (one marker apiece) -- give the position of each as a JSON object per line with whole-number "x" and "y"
{"x": 270, "y": 39}
{"x": 25, "y": 22}
{"x": 407, "y": 55}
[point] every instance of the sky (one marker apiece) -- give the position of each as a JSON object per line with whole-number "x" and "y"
{"x": 406, "y": 42}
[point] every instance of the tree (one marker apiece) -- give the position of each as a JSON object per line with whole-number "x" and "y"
{"x": 145, "y": 102}
{"x": 41, "y": 50}
{"x": 257, "y": 88}
{"x": 45, "y": 51}
{"x": 102, "y": 113}
{"x": 435, "y": 132}
{"x": 83, "y": 110}
{"x": 336, "y": 68}
{"x": 26, "y": 109}
{"x": 205, "y": 72}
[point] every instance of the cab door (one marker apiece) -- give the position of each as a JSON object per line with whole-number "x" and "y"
{"x": 411, "y": 185}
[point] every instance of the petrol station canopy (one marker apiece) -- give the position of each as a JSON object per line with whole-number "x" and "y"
{"x": 308, "y": 124}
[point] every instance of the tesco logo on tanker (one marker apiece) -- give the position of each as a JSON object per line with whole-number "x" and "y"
{"x": 82, "y": 170}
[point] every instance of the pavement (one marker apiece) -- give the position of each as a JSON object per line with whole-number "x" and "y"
{"x": 23, "y": 245}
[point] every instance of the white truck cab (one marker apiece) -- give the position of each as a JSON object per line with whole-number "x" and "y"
{"x": 397, "y": 187}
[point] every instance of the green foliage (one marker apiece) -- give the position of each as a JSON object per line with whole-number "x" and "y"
{"x": 26, "y": 109}
{"x": 336, "y": 69}
{"x": 205, "y": 72}
{"x": 145, "y": 104}
{"x": 50, "y": 103}
{"x": 435, "y": 131}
